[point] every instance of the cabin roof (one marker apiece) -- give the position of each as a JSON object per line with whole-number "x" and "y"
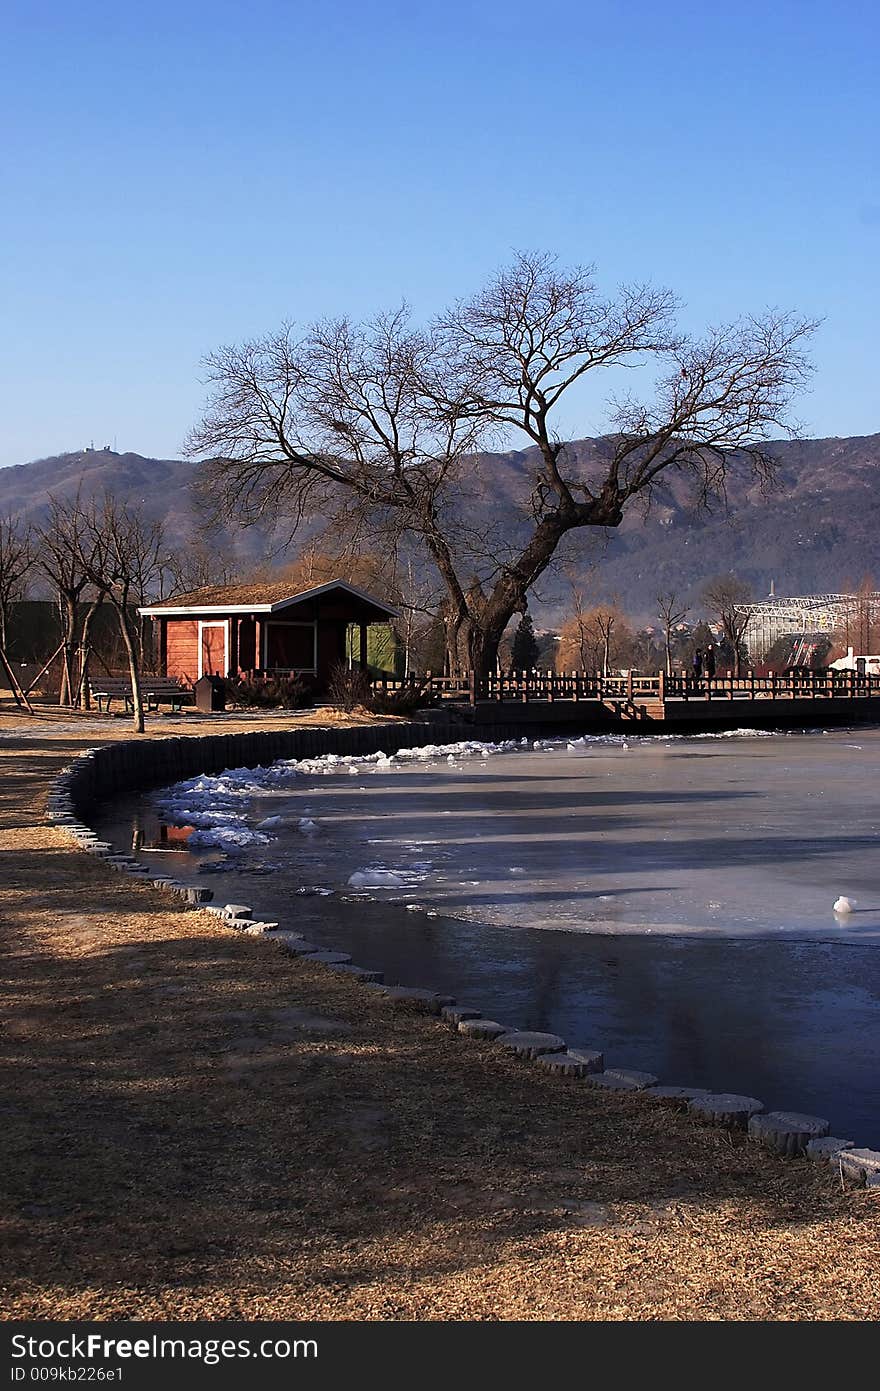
{"x": 262, "y": 598}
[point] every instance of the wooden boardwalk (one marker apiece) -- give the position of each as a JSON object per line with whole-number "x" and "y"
{"x": 590, "y": 699}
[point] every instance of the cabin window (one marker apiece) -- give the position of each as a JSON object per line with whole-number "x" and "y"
{"x": 291, "y": 646}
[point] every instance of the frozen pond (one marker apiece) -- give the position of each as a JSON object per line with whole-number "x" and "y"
{"x": 668, "y": 900}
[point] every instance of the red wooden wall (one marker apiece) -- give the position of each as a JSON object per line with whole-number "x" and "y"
{"x": 182, "y": 648}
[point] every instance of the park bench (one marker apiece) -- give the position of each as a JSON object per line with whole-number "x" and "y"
{"x": 155, "y": 690}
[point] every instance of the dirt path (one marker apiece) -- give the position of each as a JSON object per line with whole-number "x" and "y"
{"x": 196, "y": 1127}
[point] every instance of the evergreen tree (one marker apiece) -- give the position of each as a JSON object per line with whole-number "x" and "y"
{"x": 525, "y": 646}
{"x": 701, "y": 637}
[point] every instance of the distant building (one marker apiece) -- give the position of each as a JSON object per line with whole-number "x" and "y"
{"x": 864, "y": 665}
{"x": 809, "y": 614}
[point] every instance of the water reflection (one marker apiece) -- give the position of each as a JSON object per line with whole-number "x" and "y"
{"x": 151, "y": 836}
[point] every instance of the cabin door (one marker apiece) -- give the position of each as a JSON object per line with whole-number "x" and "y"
{"x": 212, "y": 649}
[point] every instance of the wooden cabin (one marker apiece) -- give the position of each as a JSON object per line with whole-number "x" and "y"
{"x": 265, "y": 629}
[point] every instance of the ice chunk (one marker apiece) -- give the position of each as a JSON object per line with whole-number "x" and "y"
{"x": 377, "y": 879}
{"x": 228, "y": 838}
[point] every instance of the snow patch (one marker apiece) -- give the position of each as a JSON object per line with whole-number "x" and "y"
{"x": 219, "y": 807}
{"x": 228, "y": 838}
{"x": 377, "y": 879}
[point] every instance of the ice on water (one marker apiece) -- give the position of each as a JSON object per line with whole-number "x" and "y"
{"x": 726, "y": 834}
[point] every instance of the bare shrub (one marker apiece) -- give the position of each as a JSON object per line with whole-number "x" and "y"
{"x": 348, "y": 689}
{"x": 270, "y": 693}
{"x": 404, "y": 701}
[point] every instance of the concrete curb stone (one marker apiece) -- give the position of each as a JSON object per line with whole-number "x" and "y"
{"x": 482, "y": 1028}
{"x": 621, "y": 1079}
{"x": 787, "y": 1132}
{"x": 827, "y": 1148}
{"x": 531, "y": 1045}
{"x": 726, "y": 1109}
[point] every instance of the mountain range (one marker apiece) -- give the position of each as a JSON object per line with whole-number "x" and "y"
{"x": 816, "y": 530}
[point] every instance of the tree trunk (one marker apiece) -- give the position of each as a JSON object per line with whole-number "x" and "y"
{"x": 510, "y": 593}
{"x": 67, "y": 608}
{"x": 477, "y": 638}
{"x": 668, "y": 655}
{"x": 734, "y": 637}
{"x": 451, "y": 626}
{"x": 84, "y": 698}
{"x": 140, "y": 638}
{"x": 133, "y": 667}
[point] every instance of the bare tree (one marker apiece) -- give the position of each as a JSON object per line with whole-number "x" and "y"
{"x": 574, "y": 645}
{"x": 122, "y": 555}
{"x": 417, "y": 600}
{"x": 861, "y": 616}
{"x": 592, "y": 636}
{"x": 16, "y": 561}
{"x": 59, "y": 552}
{"x": 671, "y": 611}
{"x": 379, "y": 424}
{"x": 724, "y": 597}
{"x": 637, "y": 650}
{"x": 605, "y": 621}
{"x": 198, "y": 561}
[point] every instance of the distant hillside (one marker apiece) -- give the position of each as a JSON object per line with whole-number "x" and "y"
{"x": 815, "y": 531}
{"x": 162, "y": 487}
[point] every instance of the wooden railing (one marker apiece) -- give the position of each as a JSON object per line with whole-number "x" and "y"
{"x": 549, "y": 686}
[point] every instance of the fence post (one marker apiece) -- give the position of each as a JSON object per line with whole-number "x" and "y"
{"x": 629, "y": 685}
{"x": 472, "y": 687}
{"x": 661, "y": 688}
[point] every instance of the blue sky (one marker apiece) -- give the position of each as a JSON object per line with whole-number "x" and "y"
{"x": 177, "y": 176}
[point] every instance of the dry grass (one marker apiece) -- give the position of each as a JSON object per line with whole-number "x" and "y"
{"x": 196, "y": 1127}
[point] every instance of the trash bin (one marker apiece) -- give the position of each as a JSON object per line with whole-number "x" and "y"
{"x": 210, "y": 693}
